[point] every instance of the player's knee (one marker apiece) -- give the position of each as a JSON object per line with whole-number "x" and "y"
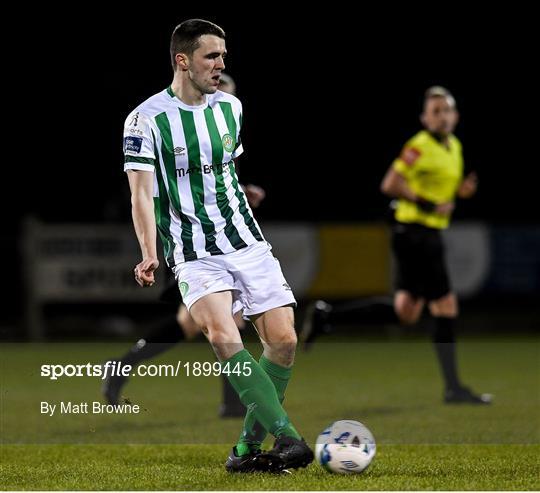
{"x": 408, "y": 313}
{"x": 408, "y": 318}
{"x": 290, "y": 338}
{"x": 447, "y": 306}
{"x": 282, "y": 348}
{"x": 221, "y": 331}
{"x": 446, "y": 310}
{"x": 285, "y": 338}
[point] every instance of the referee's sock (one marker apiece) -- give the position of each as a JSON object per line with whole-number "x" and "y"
{"x": 445, "y": 346}
{"x": 373, "y": 310}
{"x": 160, "y": 339}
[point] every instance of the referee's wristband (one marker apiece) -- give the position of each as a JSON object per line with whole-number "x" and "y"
{"x": 425, "y": 205}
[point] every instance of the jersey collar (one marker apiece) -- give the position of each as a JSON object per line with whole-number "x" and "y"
{"x": 183, "y": 105}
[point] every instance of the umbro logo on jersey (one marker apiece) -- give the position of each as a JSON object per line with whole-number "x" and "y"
{"x": 179, "y": 151}
{"x": 287, "y": 287}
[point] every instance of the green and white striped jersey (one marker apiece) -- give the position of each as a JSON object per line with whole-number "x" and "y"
{"x": 200, "y": 208}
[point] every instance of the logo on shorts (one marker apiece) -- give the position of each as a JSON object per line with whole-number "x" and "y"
{"x": 228, "y": 142}
{"x": 184, "y": 288}
{"x": 287, "y": 287}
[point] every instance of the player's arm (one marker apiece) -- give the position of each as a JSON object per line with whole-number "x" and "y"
{"x": 468, "y": 186}
{"x": 139, "y": 164}
{"x": 141, "y": 184}
{"x": 395, "y": 185}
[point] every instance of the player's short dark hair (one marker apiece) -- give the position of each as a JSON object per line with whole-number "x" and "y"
{"x": 185, "y": 37}
{"x": 439, "y": 92}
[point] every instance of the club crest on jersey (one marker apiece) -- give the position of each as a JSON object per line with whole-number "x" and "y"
{"x": 228, "y": 142}
{"x": 132, "y": 144}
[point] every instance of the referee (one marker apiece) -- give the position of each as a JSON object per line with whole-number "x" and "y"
{"x": 425, "y": 181}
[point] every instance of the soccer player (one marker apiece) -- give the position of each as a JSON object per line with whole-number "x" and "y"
{"x": 180, "y": 148}
{"x": 425, "y": 179}
{"x": 170, "y": 332}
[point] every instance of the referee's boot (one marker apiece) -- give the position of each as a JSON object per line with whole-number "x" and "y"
{"x": 464, "y": 395}
{"x": 315, "y": 322}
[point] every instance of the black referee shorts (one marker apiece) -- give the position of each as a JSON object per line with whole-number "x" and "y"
{"x": 421, "y": 263}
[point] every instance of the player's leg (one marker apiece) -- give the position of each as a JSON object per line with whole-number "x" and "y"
{"x": 445, "y": 311}
{"x": 160, "y": 338}
{"x": 231, "y": 405}
{"x": 277, "y": 360}
{"x": 322, "y": 317}
{"x": 257, "y": 392}
{"x": 267, "y": 299}
{"x": 276, "y": 331}
{"x": 408, "y": 307}
{"x": 443, "y": 306}
{"x": 190, "y": 329}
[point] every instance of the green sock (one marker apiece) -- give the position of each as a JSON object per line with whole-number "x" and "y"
{"x": 253, "y": 433}
{"x": 258, "y": 393}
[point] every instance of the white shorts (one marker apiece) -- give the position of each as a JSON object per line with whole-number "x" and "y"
{"x": 252, "y": 274}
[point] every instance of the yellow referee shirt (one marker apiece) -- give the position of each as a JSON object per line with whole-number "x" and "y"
{"x": 434, "y": 172}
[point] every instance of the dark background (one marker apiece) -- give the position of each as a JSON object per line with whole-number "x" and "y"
{"x": 329, "y": 99}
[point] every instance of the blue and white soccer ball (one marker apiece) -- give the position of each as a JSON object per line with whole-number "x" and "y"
{"x": 345, "y": 447}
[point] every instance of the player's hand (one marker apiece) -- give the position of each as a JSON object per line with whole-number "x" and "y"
{"x": 445, "y": 209}
{"x": 254, "y": 194}
{"x": 468, "y": 186}
{"x": 144, "y": 272}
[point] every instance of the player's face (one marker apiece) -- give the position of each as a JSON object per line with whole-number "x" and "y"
{"x": 207, "y": 63}
{"x": 439, "y": 116}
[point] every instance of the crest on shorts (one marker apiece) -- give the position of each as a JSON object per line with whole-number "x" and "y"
{"x": 184, "y": 288}
{"x": 228, "y": 142}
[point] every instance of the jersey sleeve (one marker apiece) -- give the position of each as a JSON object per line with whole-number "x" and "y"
{"x": 406, "y": 160}
{"x": 138, "y": 143}
{"x": 239, "y": 148}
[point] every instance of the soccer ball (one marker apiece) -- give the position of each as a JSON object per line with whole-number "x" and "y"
{"x": 345, "y": 447}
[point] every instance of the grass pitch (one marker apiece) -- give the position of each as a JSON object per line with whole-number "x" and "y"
{"x": 177, "y": 441}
